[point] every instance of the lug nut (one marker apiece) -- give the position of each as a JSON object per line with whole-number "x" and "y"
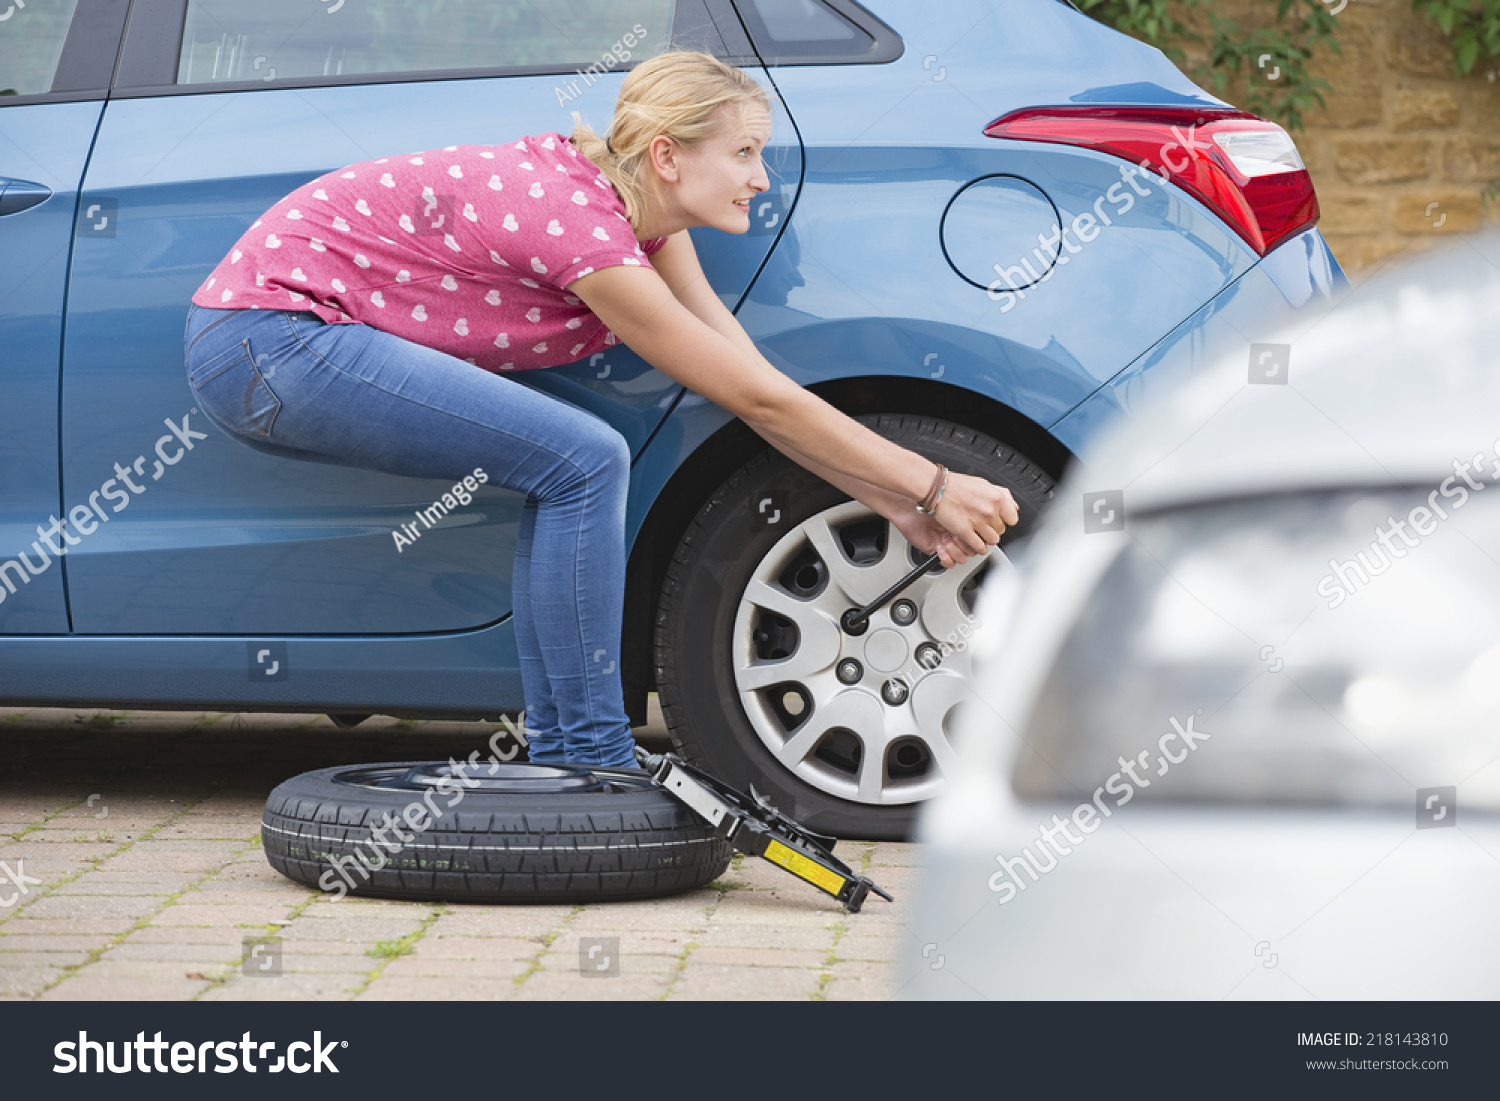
{"x": 849, "y": 671}
{"x": 893, "y": 692}
{"x": 929, "y": 656}
{"x": 904, "y": 612}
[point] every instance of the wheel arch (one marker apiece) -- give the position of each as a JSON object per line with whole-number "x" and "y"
{"x": 733, "y": 445}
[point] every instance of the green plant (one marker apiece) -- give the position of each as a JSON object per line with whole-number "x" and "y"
{"x": 1473, "y": 25}
{"x": 1272, "y": 60}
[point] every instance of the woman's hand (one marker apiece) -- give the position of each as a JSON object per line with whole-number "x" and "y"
{"x": 978, "y": 513}
{"x": 929, "y": 536}
{"x": 975, "y": 512}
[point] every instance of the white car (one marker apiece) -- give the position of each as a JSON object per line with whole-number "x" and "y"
{"x": 1236, "y": 720}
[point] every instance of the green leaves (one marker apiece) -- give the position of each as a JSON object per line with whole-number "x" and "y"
{"x": 1473, "y": 25}
{"x": 1272, "y": 61}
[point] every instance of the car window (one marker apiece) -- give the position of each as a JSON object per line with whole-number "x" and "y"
{"x": 817, "y": 32}
{"x": 31, "y": 41}
{"x": 802, "y": 21}
{"x": 1332, "y": 657}
{"x": 229, "y": 40}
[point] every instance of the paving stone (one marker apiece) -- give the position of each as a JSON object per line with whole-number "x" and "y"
{"x": 207, "y": 954}
{"x": 633, "y": 942}
{"x": 143, "y": 858}
{"x": 287, "y": 988}
{"x": 502, "y": 921}
{"x": 473, "y": 948}
{"x": 863, "y": 971}
{"x": 645, "y": 919}
{"x": 87, "y": 885}
{"x": 730, "y": 934}
{"x": 629, "y": 963}
{"x": 364, "y": 930}
{"x": 778, "y": 908}
{"x": 856, "y": 990}
{"x": 304, "y": 947}
{"x": 238, "y": 831}
{"x": 554, "y": 986}
{"x": 424, "y": 988}
{"x": 28, "y": 850}
{"x": 895, "y": 854}
{"x": 62, "y": 906}
{"x": 96, "y": 985}
{"x": 757, "y": 957}
{"x": 295, "y": 959}
{"x": 408, "y": 966}
{"x": 187, "y": 934}
{"x": 184, "y": 913}
{"x": 699, "y": 982}
{"x": 52, "y": 834}
{"x": 50, "y": 942}
{"x": 45, "y": 956}
{"x": 29, "y": 980}
{"x": 26, "y": 924}
{"x": 230, "y": 882}
{"x": 177, "y": 881}
{"x": 866, "y": 948}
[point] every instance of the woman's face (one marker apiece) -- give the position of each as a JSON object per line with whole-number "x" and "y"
{"x": 717, "y": 178}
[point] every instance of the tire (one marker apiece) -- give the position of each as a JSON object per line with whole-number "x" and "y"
{"x": 531, "y": 833}
{"x": 747, "y": 676}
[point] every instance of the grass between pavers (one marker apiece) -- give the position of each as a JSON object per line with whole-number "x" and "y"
{"x": 93, "y": 863}
{"x": 145, "y": 919}
{"x": 387, "y": 950}
{"x": 723, "y": 886}
{"x": 534, "y": 964}
{"x": 825, "y": 976}
{"x": 270, "y": 929}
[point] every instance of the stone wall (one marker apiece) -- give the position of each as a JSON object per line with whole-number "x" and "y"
{"x": 1403, "y": 150}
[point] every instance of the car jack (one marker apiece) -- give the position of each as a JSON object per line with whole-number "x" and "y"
{"x": 754, "y": 827}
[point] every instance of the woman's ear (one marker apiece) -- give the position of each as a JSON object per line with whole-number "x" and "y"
{"x": 665, "y": 158}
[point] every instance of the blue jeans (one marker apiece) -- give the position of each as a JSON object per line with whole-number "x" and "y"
{"x": 287, "y": 383}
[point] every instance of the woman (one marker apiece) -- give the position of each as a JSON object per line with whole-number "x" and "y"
{"x": 367, "y": 319}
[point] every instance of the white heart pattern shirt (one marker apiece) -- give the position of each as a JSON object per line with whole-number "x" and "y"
{"x": 426, "y": 246}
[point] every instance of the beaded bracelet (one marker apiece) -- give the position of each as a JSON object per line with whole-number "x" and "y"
{"x": 935, "y": 494}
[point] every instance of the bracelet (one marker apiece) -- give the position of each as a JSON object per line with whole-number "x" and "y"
{"x": 928, "y": 505}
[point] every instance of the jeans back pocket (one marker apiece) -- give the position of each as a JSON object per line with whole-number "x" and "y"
{"x": 232, "y": 392}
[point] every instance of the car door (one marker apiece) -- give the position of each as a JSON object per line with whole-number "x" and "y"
{"x": 219, "y": 109}
{"x": 52, "y": 89}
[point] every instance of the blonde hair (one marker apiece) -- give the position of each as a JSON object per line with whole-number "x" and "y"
{"x": 677, "y": 94}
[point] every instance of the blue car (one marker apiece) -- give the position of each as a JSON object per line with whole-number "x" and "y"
{"x": 992, "y": 229}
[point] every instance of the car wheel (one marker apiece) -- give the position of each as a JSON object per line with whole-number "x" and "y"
{"x": 760, "y": 685}
{"x": 507, "y": 833}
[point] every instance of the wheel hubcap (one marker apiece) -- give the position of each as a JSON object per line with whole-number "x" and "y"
{"x": 862, "y": 717}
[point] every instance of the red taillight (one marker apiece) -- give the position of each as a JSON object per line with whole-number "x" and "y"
{"x": 1242, "y": 167}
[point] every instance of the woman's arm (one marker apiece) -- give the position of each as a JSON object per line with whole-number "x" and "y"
{"x": 677, "y": 264}
{"x": 643, "y": 311}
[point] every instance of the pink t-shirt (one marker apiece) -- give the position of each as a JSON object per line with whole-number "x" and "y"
{"x": 467, "y": 249}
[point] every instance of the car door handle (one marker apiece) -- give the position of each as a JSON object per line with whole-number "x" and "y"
{"x": 19, "y": 195}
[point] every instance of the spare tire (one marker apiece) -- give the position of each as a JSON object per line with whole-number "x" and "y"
{"x": 492, "y": 833}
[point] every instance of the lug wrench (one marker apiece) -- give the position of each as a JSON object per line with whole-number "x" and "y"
{"x": 855, "y": 620}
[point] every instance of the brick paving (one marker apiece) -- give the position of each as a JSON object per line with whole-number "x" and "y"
{"x": 144, "y": 831}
